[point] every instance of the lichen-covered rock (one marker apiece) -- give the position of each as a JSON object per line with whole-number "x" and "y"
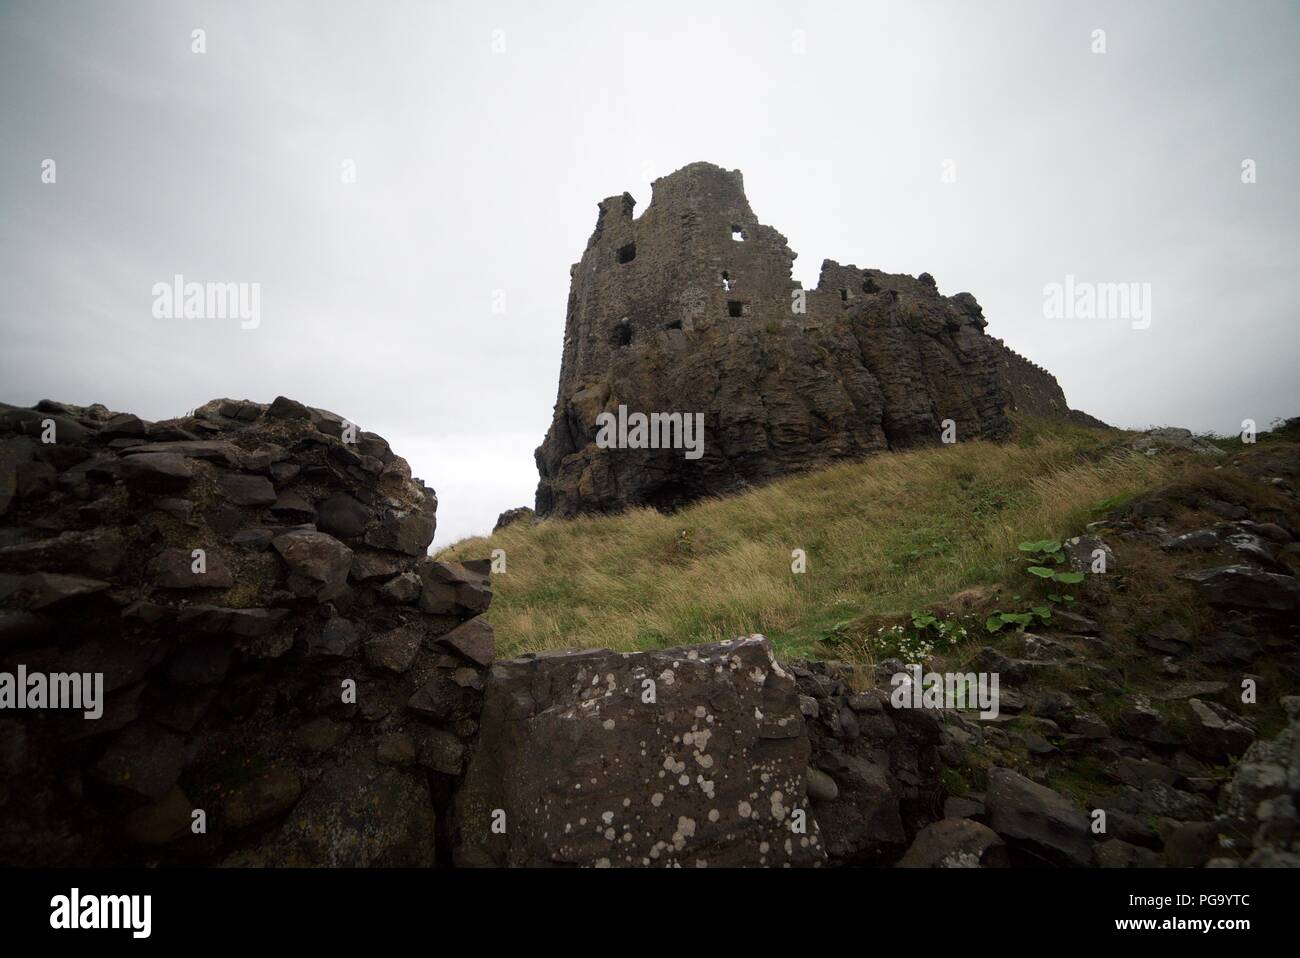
{"x": 692, "y": 756}
{"x": 956, "y": 843}
{"x": 1262, "y": 801}
{"x": 1174, "y": 437}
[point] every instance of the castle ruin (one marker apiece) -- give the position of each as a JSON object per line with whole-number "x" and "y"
{"x": 692, "y": 308}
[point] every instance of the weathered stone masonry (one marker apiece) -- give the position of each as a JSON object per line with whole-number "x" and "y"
{"x": 310, "y": 690}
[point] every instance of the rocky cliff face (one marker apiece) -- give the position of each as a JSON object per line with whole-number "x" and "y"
{"x": 287, "y": 678}
{"x": 692, "y": 308}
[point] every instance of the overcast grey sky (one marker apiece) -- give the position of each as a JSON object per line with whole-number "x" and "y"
{"x": 479, "y": 169}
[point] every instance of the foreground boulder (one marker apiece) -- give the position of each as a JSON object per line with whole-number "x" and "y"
{"x": 690, "y": 757}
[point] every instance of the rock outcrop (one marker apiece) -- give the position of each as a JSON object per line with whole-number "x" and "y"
{"x": 691, "y": 309}
{"x": 1262, "y": 802}
{"x": 287, "y": 677}
{"x": 519, "y": 514}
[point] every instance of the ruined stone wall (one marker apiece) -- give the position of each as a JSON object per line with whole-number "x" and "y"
{"x": 692, "y": 308}
{"x": 1029, "y": 387}
{"x": 1032, "y": 390}
{"x": 288, "y": 679}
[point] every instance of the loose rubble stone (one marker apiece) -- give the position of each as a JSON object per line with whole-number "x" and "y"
{"x": 474, "y": 640}
{"x": 337, "y": 637}
{"x": 359, "y": 815}
{"x": 451, "y": 587}
{"x": 40, "y": 590}
{"x": 318, "y": 563}
{"x": 145, "y": 760}
{"x": 1245, "y": 587}
{"x": 160, "y": 470}
{"x": 247, "y": 490}
{"x": 1217, "y": 734}
{"x": 408, "y": 532}
{"x": 268, "y": 796}
{"x": 177, "y": 569}
{"x": 342, "y": 516}
{"x": 162, "y": 821}
{"x": 395, "y": 650}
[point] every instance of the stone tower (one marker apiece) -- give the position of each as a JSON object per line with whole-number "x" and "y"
{"x": 692, "y": 308}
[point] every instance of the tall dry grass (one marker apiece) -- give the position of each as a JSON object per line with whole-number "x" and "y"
{"x": 886, "y": 535}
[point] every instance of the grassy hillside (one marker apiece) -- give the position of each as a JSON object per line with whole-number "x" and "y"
{"x": 882, "y": 537}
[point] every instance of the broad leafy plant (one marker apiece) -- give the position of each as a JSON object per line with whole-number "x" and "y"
{"x": 1042, "y": 556}
{"x": 1039, "y": 554}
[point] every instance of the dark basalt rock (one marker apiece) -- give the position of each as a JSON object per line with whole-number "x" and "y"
{"x": 1036, "y": 820}
{"x": 1245, "y": 587}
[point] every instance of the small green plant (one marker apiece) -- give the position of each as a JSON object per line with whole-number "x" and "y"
{"x": 927, "y": 634}
{"x": 835, "y": 634}
{"x": 998, "y": 620}
{"x": 1041, "y": 556}
{"x": 1040, "y": 553}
